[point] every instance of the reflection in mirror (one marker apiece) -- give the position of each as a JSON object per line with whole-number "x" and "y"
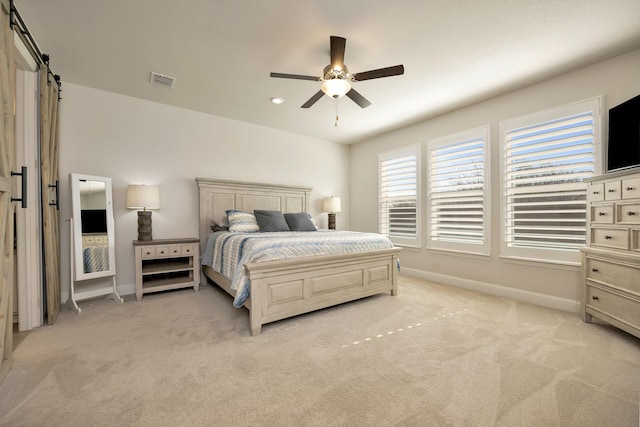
{"x": 93, "y": 219}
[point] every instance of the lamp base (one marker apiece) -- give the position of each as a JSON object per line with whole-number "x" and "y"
{"x": 144, "y": 225}
{"x": 332, "y": 221}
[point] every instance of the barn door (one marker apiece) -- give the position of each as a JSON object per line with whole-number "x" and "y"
{"x": 49, "y": 154}
{"x": 7, "y": 207}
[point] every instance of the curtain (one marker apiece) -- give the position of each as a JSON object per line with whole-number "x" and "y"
{"x": 49, "y": 154}
{"x": 7, "y": 208}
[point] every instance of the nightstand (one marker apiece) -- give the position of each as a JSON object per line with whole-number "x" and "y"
{"x": 166, "y": 264}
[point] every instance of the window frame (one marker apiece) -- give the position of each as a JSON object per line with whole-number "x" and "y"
{"x": 413, "y": 149}
{"x": 483, "y": 132}
{"x": 547, "y": 255}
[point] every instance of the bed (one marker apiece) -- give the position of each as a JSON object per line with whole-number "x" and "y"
{"x": 288, "y": 287}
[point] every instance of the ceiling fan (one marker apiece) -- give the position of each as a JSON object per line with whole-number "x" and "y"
{"x": 336, "y": 78}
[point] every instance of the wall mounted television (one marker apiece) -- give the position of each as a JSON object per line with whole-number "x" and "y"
{"x": 623, "y": 146}
{"x": 94, "y": 221}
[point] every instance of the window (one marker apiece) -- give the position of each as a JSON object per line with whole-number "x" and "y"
{"x": 458, "y": 197}
{"x": 399, "y": 195}
{"x": 546, "y": 157}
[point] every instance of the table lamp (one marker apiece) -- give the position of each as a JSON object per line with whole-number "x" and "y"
{"x": 145, "y": 197}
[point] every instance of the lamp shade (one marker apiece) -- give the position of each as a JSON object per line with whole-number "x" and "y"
{"x": 331, "y": 204}
{"x": 143, "y": 197}
{"x": 336, "y": 88}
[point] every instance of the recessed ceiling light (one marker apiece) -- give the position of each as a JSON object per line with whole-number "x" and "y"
{"x": 277, "y": 100}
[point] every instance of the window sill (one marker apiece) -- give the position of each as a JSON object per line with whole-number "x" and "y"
{"x": 559, "y": 265}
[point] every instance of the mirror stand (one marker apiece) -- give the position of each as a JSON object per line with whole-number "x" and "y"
{"x": 92, "y": 239}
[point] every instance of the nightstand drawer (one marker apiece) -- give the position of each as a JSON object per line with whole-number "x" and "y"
{"x": 162, "y": 251}
{"x": 148, "y": 252}
{"x": 621, "y": 308}
{"x": 187, "y": 250}
{"x": 602, "y": 214}
{"x": 618, "y": 275}
{"x": 628, "y": 213}
{"x": 175, "y": 250}
{"x": 617, "y": 238}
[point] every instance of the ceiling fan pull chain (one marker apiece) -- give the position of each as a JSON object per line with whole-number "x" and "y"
{"x": 336, "y": 124}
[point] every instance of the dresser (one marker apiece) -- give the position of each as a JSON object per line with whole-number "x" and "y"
{"x": 166, "y": 264}
{"x": 611, "y": 260}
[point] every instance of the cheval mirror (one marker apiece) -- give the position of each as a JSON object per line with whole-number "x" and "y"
{"x": 92, "y": 239}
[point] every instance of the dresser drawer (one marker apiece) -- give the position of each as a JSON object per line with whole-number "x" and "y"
{"x": 613, "y": 190}
{"x": 635, "y": 240}
{"x": 624, "y": 309}
{"x": 595, "y": 193}
{"x": 617, "y": 238}
{"x": 615, "y": 274}
{"x": 175, "y": 250}
{"x": 631, "y": 188}
{"x": 602, "y": 214}
{"x": 628, "y": 213}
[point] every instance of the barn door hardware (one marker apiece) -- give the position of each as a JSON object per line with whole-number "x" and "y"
{"x": 56, "y": 203}
{"x": 23, "y": 199}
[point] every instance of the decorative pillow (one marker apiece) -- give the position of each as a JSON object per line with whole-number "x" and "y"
{"x": 242, "y": 221}
{"x": 270, "y": 221}
{"x": 300, "y": 221}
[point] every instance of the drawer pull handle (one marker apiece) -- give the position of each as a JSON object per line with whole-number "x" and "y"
{"x": 601, "y": 213}
{"x": 631, "y": 213}
{"x": 595, "y": 298}
{"x": 595, "y": 270}
{"x": 147, "y": 253}
{"x": 629, "y": 188}
{"x": 612, "y": 190}
{"x": 596, "y": 192}
{"x": 608, "y": 237}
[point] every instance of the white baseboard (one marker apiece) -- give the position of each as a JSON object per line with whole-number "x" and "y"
{"x": 543, "y": 300}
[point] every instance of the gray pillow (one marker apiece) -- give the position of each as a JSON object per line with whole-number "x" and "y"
{"x": 300, "y": 221}
{"x": 270, "y": 221}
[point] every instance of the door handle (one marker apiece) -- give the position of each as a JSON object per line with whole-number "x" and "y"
{"x": 23, "y": 199}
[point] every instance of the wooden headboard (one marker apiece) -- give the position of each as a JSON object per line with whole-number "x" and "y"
{"x": 217, "y": 196}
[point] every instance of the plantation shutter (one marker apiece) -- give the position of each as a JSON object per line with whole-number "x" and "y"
{"x": 398, "y": 194}
{"x": 457, "y": 192}
{"x": 545, "y": 197}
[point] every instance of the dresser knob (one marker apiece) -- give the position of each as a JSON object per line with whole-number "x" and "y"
{"x": 595, "y": 298}
{"x": 608, "y": 237}
{"x": 596, "y": 192}
{"x": 601, "y": 213}
{"x": 629, "y": 188}
{"x": 595, "y": 270}
{"x": 631, "y": 213}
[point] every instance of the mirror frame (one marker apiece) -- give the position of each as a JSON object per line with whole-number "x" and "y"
{"x": 76, "y": 228}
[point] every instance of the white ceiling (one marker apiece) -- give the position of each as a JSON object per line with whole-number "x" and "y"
{"x": 455, "y": 52}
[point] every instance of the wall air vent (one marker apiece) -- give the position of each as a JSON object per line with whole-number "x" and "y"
{"x": 162, "y": 80}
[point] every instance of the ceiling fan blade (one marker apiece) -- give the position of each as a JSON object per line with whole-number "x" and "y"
{"x": 396, "y": 70}
{"x": 294, "y": 76}
{"x": 358, "y": 99}
{"x": 337, "y": 52}
{"x": 319, "y": 94}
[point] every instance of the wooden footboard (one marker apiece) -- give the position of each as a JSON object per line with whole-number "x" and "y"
{"x": 286, "y": 288}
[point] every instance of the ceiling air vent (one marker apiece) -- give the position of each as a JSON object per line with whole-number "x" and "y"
{"x": 162, "y": 80}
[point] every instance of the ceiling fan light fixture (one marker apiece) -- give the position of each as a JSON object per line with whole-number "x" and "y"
{"x": 336, "y": 88}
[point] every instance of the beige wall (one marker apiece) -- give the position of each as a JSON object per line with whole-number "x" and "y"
{"x": 617, "y": 79}
{"x": 139, "y": 142}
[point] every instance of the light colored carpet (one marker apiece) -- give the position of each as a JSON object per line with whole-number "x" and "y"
{"x": 431, "y": 356}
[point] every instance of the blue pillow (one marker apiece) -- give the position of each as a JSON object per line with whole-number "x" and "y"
{"x": 300, "y": 221}
{"x": 270, "y": 221}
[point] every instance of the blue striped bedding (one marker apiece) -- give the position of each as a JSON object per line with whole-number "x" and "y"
{"x": 228, "y": 252}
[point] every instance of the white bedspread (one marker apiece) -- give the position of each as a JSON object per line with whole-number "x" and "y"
{"x": 227, "y": 253}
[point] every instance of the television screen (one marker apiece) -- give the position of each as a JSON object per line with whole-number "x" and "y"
{"x": 94, "y": 221}
{"x": 623, "y": 147}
